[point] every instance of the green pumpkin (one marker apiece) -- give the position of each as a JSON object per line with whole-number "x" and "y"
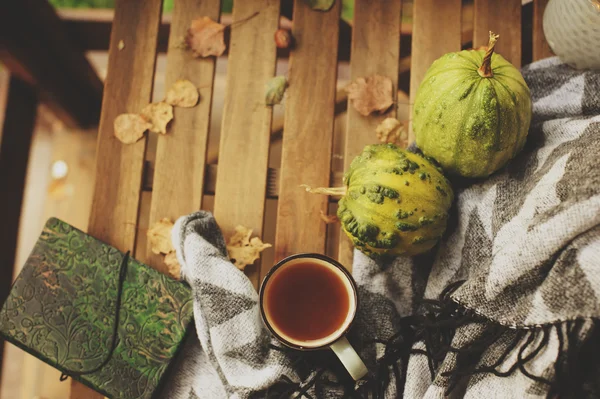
{"x": 472, "y": 112}
{"x": 396, "y": 202}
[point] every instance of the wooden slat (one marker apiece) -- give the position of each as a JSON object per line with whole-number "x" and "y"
{"x": 436, "y": 31}
{"x": 245, "y": 131}
{"x": 19, "y": 103}
{"x": 375, "y": 49}
{"x": 128, "y": 88}
{"x": 181, "y": 153}
{"x": 503, "y": 18}
{"x": 35, "y": 46}
{"x": 541, "y": 49}
{"x": 308, "y": 131}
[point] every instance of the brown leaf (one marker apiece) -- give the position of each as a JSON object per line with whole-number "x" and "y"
{"x": 205, "y": 37}
{"x": 183, "y": 93}
{"x": 173, "y": 266}
{"x": 328, "y": 219}
{"x": 242, "y": 250}
{"x": 391, "y": 130}
{"x": 371, "y": 94}
{"x": 160, "y": 237}
{"x": 159, "y": 115}
{"x": 129, "y": 128}
{"x": 283, "y": 38}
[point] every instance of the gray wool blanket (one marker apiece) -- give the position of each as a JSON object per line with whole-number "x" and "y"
{"x": 507, "y": 306}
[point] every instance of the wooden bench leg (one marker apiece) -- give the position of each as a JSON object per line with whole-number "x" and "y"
{"x": 18, "y": 106}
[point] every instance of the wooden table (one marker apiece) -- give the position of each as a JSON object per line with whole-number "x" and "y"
{"x": 180, "y": 166}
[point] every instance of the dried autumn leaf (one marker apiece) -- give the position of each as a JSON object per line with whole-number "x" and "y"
{"x": 159, "y": 115}
{"x": 160, "y": 237}
{"x": 283, "y": 38}
{"x": 274, "y": 90}
{"x": 205, "y": 37}
{"x": 391, "y": 130}
{"x": 242, "y": 250}
{"x": 173, "y": 266}
{"x": 320, "y": 5}
{"x": 328, "y": 219}
{"x": 183, "y": 93}
{"x": 129, "y": 128}
{"x": 371, "y": 94}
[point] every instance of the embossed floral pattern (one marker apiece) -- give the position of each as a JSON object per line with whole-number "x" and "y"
{"x": 62, "y": 307}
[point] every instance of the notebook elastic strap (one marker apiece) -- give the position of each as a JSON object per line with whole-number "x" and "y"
{"x": 115, "y": 332}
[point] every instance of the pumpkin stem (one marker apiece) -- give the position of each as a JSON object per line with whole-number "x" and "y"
{"x": 485, "y": 70}
{"x": 335, "y": 191}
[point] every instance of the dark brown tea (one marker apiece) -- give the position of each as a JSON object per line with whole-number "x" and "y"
{"x": 307, "y": 301}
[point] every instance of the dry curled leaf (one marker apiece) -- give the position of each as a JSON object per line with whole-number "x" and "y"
{"x": 391, "y": 130}
{"x": 205, "y": 37}
{"x": 159, "y": 115}
{"x": 183, "y": 93}
{"x": 371, "y": 94}
{"x": 283, "y": 38}
{"x": 242, "y": 250}
{"x": 160, "y": 237}
{"x": 320, "y": 5}
{"x": 173, "y": 266}
{"x": 129, "y": 128}
{"x": 328, "y": 219}
{"x": 274, "y": 90}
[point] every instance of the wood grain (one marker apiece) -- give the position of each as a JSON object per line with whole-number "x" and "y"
{"x": 375, "y": 50}
{"x": 541, "y": 49}
{"x": 436, "y": 31}
{"x": 503, "y": 18}
{"x": 19, "y": 101}
{"x": 308, "y": 131}
{"x": 246, "y": 126}
{"x": 181, "y": 153}
{"x": 128, "y": 88}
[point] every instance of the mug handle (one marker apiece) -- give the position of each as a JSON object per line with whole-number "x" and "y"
{"x": 349, "y": 358}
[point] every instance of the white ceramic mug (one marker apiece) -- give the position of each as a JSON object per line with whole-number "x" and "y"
{"x": 336, "y": 339}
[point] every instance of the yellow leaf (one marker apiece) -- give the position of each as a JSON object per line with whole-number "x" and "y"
{"x": 158, "y": 115}
{"x": 391, "y": 130}
{"x": 242, "y": 250}
{"x": 129, "y": 128}
{"x": 160, "y": 237}
{"x": 183, "y": 93}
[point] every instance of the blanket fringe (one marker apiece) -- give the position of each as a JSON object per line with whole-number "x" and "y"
{"x": 435, "y": 327}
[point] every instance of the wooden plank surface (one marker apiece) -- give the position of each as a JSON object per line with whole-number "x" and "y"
{"x": 503, "y": 18}
{"x": 308, "y": 131}
{"x": 375, "y": 50}
{"x": 246, "y": 126}
{"x": 19, "y": 102}
{"x": 180, "y": 154}
{"x": 128, "y": 88}
{"x": 35, "y": 45}
{"x": 541, "y": 49}
{"x": 436, "y": 31}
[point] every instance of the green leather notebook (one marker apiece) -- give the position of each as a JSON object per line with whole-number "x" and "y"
{"x": 75, "y": 291}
